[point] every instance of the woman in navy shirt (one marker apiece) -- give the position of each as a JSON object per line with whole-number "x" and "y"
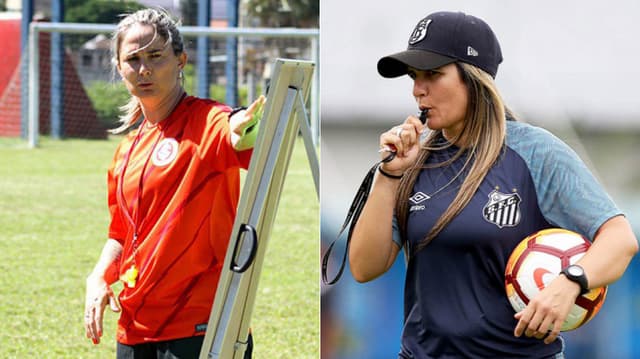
{"x": 462, "y": 191}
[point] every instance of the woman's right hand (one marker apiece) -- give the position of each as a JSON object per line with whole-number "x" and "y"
{"x": 98, "y": 295}
{"x": 405, "y": 140}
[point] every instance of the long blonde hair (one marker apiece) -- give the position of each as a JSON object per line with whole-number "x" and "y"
{"x": 164, "y": 27}
{"x": 484, "y": 132}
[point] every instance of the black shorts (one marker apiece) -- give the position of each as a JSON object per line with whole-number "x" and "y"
{"x": 185, "y": 348}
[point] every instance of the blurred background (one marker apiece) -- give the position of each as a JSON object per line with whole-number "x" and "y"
{"x": 53, "y": 204}
{"x": 78, "y": 89}
{"x": 569, "y": 67}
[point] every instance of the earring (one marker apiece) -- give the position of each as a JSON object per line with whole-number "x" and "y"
{"x": 180, "y": 74}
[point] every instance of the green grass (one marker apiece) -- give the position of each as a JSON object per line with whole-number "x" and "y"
{"x": 53, "y": 221}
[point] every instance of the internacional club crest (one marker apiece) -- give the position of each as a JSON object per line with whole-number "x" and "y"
{"x": 503, "y": 210}
{"x": 165, "y": 153}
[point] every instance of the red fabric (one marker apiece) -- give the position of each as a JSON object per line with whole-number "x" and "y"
{"x": 10, "y": 34}
{"x": 80, "y": 118}
{"x": 186, "y": 214}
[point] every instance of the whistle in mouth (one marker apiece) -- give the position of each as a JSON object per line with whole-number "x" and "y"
{"x": 423, "y": 115}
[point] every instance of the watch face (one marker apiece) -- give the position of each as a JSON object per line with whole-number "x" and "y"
{"x": 575, "y": 271}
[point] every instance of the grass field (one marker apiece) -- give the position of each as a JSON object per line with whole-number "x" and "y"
{"x": 53, "y": 221}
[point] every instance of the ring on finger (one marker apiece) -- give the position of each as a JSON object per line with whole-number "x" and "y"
{"x": 398, "y": 131}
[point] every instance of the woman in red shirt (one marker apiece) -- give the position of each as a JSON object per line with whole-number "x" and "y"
{"x": 173, "y": 188}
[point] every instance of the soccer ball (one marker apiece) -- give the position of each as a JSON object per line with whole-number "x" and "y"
{"x": 537, "y": 260}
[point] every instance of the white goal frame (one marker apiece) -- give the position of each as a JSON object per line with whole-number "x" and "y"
{"x": 35, "y": 28}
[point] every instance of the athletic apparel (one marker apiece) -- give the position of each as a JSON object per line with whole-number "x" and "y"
{"x": 171, "y": 349}
{"x": 179, "y": 195}
{"x": 455, "y": 301}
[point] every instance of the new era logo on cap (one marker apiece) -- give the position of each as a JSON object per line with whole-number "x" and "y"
{"x": 442, "y": 38}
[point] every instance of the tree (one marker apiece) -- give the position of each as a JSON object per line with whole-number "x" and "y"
{"x": 98, "y": 11}
{"x": 95, "y": 11}
{"x": 285, "y": 13}
{"x": 275, "y": 14}
{"x": 189, "y": 12}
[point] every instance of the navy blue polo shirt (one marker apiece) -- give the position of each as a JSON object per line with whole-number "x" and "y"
{"x": 455, "y": 301}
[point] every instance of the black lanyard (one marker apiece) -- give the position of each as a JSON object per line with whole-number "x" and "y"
{"x": 352, "y": 217}
{"x": 134, "y": 217}
{"x": 356, "y": 208}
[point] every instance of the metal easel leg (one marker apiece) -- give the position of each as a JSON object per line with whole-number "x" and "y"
{"x": 305, "y": 129}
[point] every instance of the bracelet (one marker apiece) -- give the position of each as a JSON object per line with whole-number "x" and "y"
{"x": 236, "y": 110}
{"x": 389, "y": 175}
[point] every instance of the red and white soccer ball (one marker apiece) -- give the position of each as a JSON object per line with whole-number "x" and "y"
{"x": 537, "y": 260}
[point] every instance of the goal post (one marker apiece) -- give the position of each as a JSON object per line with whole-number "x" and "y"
{"x": 37, "y": 28}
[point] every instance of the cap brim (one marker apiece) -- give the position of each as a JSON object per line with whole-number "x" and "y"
{"x": 397, "y": 64}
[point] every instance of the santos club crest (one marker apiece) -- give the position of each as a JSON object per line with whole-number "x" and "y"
{"x": 503, "y": 210}
{"x": 420, "y": 31}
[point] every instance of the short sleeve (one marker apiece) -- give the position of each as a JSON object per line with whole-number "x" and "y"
{"x": 117, "y": 228}
{"x": 217, "y": 141}
{"x": 569, "y": 195}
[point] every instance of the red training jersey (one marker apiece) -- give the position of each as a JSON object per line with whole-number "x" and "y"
{"x": 175, "y": 185}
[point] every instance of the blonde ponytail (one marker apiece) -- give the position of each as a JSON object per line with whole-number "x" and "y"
{"x": 132, "y": 111}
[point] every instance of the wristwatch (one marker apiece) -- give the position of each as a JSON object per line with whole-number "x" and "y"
{"x": 575, "y": 273}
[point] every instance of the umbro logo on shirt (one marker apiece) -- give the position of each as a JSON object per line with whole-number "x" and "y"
{"x": 416, "y": 199}
{"x": 419, "y": 197}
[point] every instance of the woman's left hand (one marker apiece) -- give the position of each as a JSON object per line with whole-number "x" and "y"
{"x": 543, "y": 317}
{"x": 244, "y": 125}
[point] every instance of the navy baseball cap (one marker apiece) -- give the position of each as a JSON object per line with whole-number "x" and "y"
{"x": 442, "y": 38}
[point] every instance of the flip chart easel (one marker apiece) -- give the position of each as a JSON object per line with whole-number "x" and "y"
{"x": 284, "y": 117}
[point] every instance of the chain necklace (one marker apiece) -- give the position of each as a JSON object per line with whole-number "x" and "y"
{"x": 453, "y": 179}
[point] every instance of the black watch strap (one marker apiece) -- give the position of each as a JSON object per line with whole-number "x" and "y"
{"x": 575, "y": 273}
